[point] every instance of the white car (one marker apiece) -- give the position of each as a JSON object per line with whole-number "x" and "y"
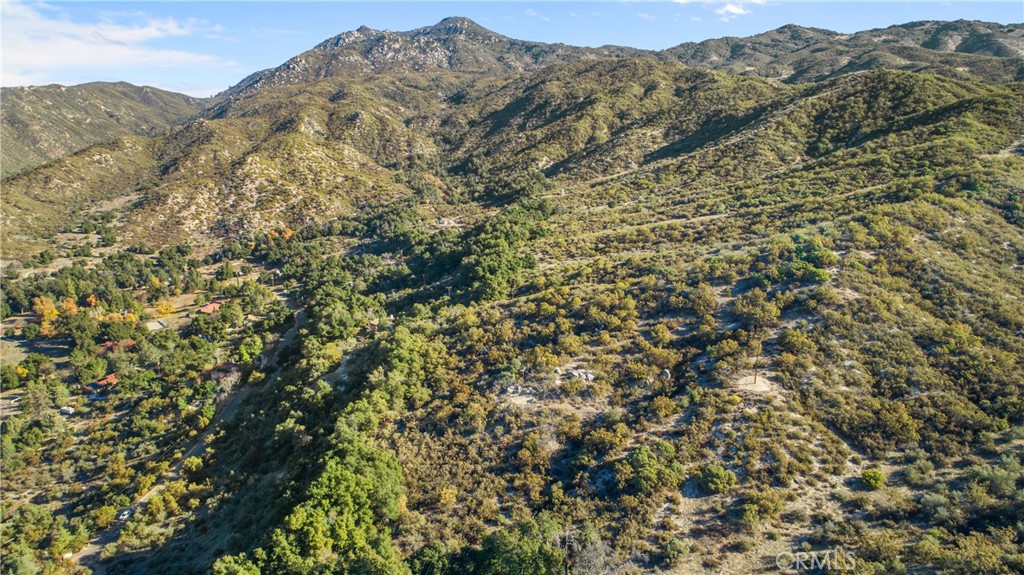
{"x": 125, "y": 515}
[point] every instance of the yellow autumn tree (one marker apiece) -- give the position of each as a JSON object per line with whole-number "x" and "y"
{"x": 44, "y": 308}
{"x": 164, "y": 308}
{"x": 47, "y": 312}
{"x": 46, "y": 329}
{"x": 68, "y": 306}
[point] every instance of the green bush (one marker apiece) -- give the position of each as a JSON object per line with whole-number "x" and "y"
{"x": 675, "y": 551}
{"x": 873, "y": 479}
{"x": 716, "y": 479}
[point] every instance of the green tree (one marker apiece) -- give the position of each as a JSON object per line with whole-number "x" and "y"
{"x": 235, "y": 565}
{"x": 525, "y": 548}
{"x": 104, "y": 516}
{"x": 250, "y": 348}
{"x": 9, "y": 376}
{"x": 703, "y": 300}
{"x": 226, "y": 271}
{"x": 231, "y": 314}
{"x": 30, "y": 331}
{"x": 432, "y": 559}
{"x": 756, "y": 311}
{"x": 647, "y": 471}
{"x": 91, "y": 370}
{"x": 338, "y": 526}
{"x": 19, "y": 560}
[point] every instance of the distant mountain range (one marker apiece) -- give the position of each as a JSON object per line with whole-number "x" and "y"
{"x": 46, "y": 122}
{"x": 791, "y": 53}
{"x": 984, "y": 50}
{"x": 359, "y": 104}
{"x": 43, "y": 123}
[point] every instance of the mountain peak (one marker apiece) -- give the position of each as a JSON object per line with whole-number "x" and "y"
{"x": 456, "y": 27}
{"x": 798, "y": 30}
{"x": 460, "y": 21}
{"x": 455, "y": 43}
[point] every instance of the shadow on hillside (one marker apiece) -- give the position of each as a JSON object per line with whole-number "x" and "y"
{"x": 712, "y": 132}
{"x": 252, "y": 493}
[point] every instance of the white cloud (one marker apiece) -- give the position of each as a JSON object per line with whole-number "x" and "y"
{"x": 646, "y": 16}
{"x": 730, "y": 11}
{"x": 720, "y": 2}
{"x": 42, "y": 44}
{"x": 531, "y": 13}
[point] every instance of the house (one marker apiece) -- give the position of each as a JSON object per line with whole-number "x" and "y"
{"x": 105, "y": 383}
{"x": 210, "y": 308}
{"x": 125, "y": 345}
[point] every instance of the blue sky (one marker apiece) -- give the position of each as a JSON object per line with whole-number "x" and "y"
{"x": 201, "y": 48}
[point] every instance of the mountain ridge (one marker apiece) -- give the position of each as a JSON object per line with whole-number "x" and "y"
{"x": 454, "y": 43}
{"x": 43, "y": 123}
{"x": 443, "y": 46}
{"x": 36, "y": 132}
{"x": 798, "y": 54}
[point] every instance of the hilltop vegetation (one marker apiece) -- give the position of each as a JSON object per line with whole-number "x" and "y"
{"x": 609, "y": 315}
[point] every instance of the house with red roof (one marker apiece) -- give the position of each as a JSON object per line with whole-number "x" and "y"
{"x": 210, "y": 308}
{"x": 125, "y": 345}
{"x": 105, "y": 383}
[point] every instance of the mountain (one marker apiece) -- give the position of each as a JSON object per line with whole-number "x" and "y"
{"x": 792, "y": 52}
{"x": 456, "y": 44}
{"x": 796, "y": 54}
{"x": 602, "y": 315}
{"x": 43, "y": 123}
